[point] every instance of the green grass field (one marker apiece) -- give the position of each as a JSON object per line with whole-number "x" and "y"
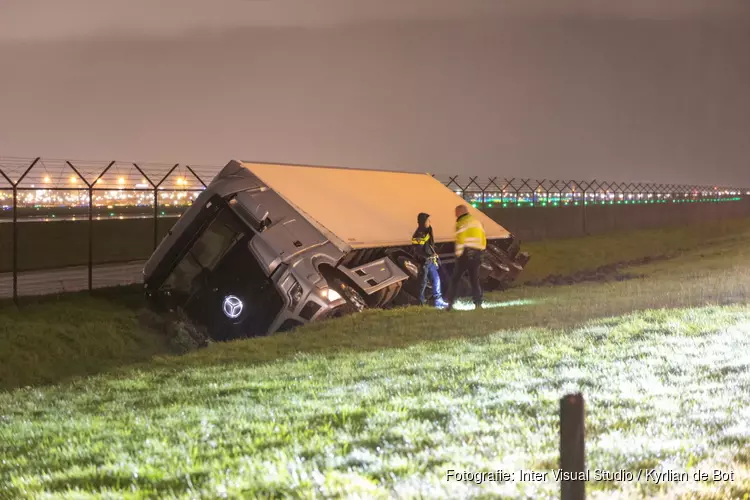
{"x": 383, "y": 404}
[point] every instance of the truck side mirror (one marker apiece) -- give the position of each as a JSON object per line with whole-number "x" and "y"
{"x": 260, "y": 214}
{"x": 256, "y": 210}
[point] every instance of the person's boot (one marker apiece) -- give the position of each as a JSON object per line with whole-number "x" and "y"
{"x": 441, "y": 304}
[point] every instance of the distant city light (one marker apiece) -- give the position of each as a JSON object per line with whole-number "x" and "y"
{"x": 48, "y": 198}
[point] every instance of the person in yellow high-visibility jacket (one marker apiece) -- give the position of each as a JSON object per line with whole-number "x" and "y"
{"x": 471, "y": 242}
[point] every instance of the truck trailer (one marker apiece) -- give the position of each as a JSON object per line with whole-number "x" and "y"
{"x": 269, "y": 247}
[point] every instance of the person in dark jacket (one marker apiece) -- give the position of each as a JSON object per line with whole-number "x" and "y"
{"x": 424, "y": 245}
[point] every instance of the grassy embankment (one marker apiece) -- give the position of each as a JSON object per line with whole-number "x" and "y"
{"x": 385, "y": 402}
{"x": 52, "y": 338}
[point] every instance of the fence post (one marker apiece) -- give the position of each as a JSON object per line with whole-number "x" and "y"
{"x": 90, "y": 186}
{"x": 583, "y": 213}
{"x": 572, "y": 446}
{"x": 91, "y": 219}
{"x": 15, "y": 204}
{"x": 91, "y": 238}
{"x": 156, "y": 217}
{"x": 15, "y": 244}
{"x": 156, "y": 204}
{"x": 15, "y": 226}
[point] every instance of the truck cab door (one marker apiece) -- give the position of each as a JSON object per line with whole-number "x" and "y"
{"x": 292, "y": 236}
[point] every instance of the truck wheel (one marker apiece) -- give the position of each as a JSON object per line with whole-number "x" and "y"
{"x": 409, "y": 267}
{"x": 342, "y": 310}
{"x": 350, "y": 294}
{"x": 411, "y": 284}
{"x": 383, "y": 297}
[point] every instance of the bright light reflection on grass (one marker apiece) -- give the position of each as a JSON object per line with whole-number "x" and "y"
{"x": 463, "y": 305}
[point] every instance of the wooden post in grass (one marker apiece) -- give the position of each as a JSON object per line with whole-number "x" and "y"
{"x": 572, "y": 450}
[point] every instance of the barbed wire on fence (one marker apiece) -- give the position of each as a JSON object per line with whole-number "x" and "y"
{"x": 52, "y": 182}
{"x": 44, "y": 182}
{"x": 476, "y": 184}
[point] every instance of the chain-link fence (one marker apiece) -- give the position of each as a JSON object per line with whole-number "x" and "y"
{"x": 109, "y": 216}
{"x": 86, "y": 198}
{"x": 488, "y": 192}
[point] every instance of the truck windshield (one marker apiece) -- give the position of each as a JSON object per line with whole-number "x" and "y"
{"x": 206, "y": 253}
{"x": 213, "y": 265}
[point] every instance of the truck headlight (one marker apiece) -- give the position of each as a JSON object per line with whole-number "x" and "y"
{"x": 332, "y": 295}
{"x": 295, "y": 293}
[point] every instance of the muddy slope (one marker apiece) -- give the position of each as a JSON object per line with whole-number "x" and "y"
{"x": 609, "y": 272}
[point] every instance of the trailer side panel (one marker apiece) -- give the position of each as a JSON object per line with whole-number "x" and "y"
{"x": 369, "y": 208}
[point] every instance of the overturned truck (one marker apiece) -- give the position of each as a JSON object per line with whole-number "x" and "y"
{"x": 268, "y": 247}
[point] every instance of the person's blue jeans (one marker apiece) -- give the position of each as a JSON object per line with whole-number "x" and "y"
{"x": 430, "y": 274}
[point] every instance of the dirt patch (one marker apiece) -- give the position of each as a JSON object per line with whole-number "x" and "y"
{"x": 182, "y": 334}
{"x": 609, "y": 272}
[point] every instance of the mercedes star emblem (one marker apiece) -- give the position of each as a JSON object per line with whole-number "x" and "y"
{"x": 232, "y": 306}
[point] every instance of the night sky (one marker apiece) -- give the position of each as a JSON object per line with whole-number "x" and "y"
{"x": 565, "y": 89}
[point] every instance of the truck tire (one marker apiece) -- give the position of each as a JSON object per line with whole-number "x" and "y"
{"x": 382, "y": 298}
{"x": 393, "y": 290}
{"x": 408, "y": 266}
{"x": 353, "y": 297}
{"x": 343, "y": 310}
{"x": 410, "y": 287}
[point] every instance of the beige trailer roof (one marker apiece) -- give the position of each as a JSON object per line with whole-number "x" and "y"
{"x": 369, "y": 208}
